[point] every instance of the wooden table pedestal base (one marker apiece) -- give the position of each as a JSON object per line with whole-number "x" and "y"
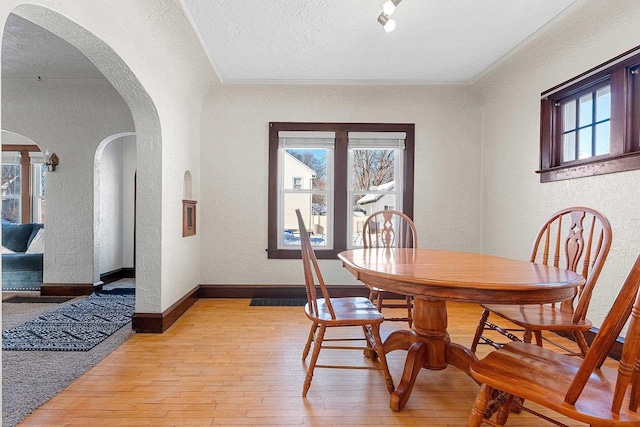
{"x": 428, "y": 346}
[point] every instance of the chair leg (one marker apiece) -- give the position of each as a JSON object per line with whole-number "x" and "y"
{"x": 307, "y": 347}
{"x": 503, "y": 412}
{"x": 375, "y": 330}
{"x": 582, "y": 342}
{"x": 538, "y": 335}
{"x": 370, "y": 353}
{"x": 409, "y": 300}
{"x": 479, "y": 329}
{"x": 379, "y": 301}
{"x": 479, "y": 406}
{"x": 314, "y": 358}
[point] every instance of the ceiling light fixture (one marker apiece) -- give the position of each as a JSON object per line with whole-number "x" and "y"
{"x": 387, "y": 9}
{"x": 390, "y": 6}
{"x": 388, "y": 24}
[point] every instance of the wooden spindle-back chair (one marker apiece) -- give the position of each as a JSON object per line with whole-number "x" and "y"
{"x": 581, "y": 389}
{"x": 326, "y": 312}
{"x": 577, "y": 239}
{"x": 390, "y": 229}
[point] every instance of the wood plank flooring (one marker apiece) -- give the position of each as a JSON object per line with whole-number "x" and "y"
{"x": 225, "y": 363}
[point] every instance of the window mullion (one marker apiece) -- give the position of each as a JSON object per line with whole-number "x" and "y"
{"x": 340, "y": 197}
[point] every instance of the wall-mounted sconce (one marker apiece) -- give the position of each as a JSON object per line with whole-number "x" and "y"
{"x": 50, "y": 161}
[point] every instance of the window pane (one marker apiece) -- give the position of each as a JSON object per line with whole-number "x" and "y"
{"x": 569, "y": 116}
{"x": 603, "y": 138}
{"x": 373, "y": 169}
{"x": 37, "y": 190}
{"x": 305, "y": 169}
{"x": 584, "y": 142}
{"x": 11, "y": 186}
{"x": 313, "y": 208}
{"x": 603, "y": 104}
{"x": 586, "y": 109}
{"x": 569, "y": 147}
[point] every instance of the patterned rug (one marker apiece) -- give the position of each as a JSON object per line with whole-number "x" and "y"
{"x": 78, "y": 326}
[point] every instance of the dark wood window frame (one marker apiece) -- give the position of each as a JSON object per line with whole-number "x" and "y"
{"x": 340, "y": 179}
{"x": 622, "y": 74}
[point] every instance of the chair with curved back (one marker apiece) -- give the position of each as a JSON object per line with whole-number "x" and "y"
{"x": 327, "y": 312}
{"x": 581, "y": 389}
{"x": 390, "y": 229}
{"x": 577, "y": 239}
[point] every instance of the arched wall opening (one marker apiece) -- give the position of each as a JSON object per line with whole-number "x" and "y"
{"x": 114, "y": 209}
{"x": 71, "y": 227}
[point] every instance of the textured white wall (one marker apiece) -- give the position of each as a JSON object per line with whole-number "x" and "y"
{"x": 111, "y": 202}
{"x": 128, "y": 199}
{"x": 163, "y": 78}
{"x": 69, "y": 118}
{"x": 515, "y": 203}
{"x": 235, "y": 153}
{"x": 115, "y": 171}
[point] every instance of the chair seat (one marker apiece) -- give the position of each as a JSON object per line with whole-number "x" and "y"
{"x": 538, "y": 317}
{"x": 542, "y": 375}
{"x": 352, "y": 310}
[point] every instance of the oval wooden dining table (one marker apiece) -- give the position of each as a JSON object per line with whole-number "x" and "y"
{"x": 434, "y": 277}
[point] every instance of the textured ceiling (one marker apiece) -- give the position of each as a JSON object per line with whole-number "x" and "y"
{"x": 341, "y": 41}
{"x": 320, "y": 41}
{"x": 29, "y": 51}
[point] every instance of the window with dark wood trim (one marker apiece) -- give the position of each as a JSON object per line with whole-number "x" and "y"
{"x": 341, "y": 205}
{"x": 25, "y": 179}
{"x": 590, "y": 125}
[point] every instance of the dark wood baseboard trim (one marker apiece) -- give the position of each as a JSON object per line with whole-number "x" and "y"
{"x": 121, "y": 273}
{"x": 616, "y": 350}
{"x": 276, "y": 291}
{"x": 157, "y": 323}
{"x": 68, "y": 289}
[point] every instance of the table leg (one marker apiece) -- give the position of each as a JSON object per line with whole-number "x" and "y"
{"x": 428, "y": 347}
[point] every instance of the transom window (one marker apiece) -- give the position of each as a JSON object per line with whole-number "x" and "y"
{"x": 336, "y": 174}
{"x": 589, "y": 124}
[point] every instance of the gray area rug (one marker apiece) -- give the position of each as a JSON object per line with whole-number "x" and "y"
{"x": 78, "y": 326}
{"x": 31, "y": 378}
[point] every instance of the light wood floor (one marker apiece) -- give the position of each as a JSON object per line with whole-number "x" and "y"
{"x": 226, "y": 363}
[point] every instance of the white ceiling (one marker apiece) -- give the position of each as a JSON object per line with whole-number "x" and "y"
{"x": 317, "y": 41}
{"x": 320, "y": 41}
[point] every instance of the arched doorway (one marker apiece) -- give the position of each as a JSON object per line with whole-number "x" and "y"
{"x": 71, "y": 217}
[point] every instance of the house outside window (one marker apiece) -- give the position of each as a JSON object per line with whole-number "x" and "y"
{"x": 336, "y": 174}
{"x": 589, "y": 124}
{"x": 11, "y": 186}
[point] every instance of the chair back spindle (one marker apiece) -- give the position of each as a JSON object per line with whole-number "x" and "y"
{"x": 580, "y": 243}
{"x": 389, "y": 229}
{"x": 311, "y": 269}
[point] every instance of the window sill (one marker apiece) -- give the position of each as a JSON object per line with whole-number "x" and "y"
{"x": 622, "y": 163}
